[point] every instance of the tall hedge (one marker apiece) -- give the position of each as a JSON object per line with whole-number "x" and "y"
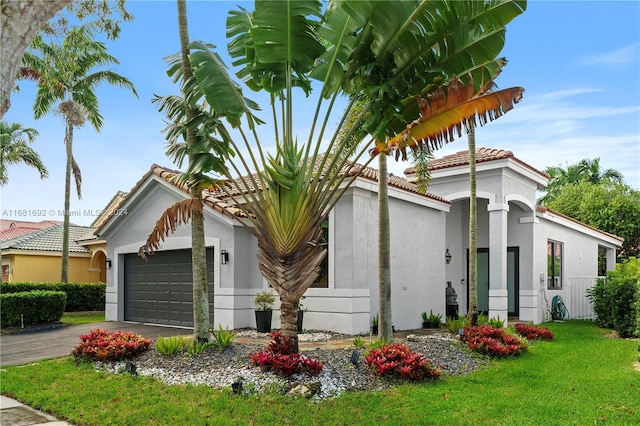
{"x": 616, "y": 299}
{"x": 80, "y": 296}
{"x": 31, "y": 307}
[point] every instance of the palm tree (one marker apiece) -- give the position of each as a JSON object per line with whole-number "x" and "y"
{"x": 66, "y": 74}
{"x": 352, "y": 49}
{"x": 584, "y": 170}
{"x": 473, "y": 229}
{"x": 204, "y": 154}
{"x": 14, "y": 149}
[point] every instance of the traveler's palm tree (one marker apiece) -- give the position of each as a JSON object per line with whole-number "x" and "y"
{"x": 398, "y": 58}
{"x": 67, "y": 78}
{"x": 15, "y": 149}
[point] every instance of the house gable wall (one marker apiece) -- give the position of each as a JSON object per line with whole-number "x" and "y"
{"x": 126, "y": 234}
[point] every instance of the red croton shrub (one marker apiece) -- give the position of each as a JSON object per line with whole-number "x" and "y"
{"x": 399, "y": 361}
{"x": 533, "y": 333}
{"x": 278, "y": 357}
{"x": 103, "y": 345}
{"x": 493, "y": 341}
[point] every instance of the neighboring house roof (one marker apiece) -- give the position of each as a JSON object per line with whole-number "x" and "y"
{"x": 11, "y": 223}
{"x": 461, "y": 158}
{"x": 17, "y": 231}
{"x": 50, "y": 239}
{"x": 16, "y": 228}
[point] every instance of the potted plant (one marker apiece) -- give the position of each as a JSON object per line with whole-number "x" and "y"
{"x": 434, "y": 320}
{"x": 425, "y": 320}
{"x": 263, "y": 302}
{"x": 374, "y": 328}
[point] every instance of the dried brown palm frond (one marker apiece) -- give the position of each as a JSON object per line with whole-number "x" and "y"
{"x": 174, "y": 216}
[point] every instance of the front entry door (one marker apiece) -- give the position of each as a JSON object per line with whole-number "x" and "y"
{"x": 513, "y": 284}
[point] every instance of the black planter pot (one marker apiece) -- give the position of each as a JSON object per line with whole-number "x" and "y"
{"x": 374, "y": 329}
{"x": 425, "y": 324}
{"x": 263, "y": 321}
{"x": 300, "y": 319}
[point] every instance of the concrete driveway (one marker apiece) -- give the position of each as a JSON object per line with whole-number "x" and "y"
{"x": 30, "y": 346}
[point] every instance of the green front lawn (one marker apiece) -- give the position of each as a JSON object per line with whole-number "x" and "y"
{"x": 582, "y": 377}
{"x": 77, "y": 318}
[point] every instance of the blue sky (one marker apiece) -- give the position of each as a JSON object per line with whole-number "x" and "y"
{"x": 579, "y": 62}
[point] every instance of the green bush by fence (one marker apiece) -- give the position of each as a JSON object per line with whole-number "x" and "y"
{"x": 616, "y": 299}
{"x": 31, "y": 307}
{"x": 80, "y": 296}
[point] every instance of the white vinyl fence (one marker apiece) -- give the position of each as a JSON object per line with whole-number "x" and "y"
{"x": 575, "y": 297}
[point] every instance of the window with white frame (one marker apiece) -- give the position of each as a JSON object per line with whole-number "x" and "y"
{"x": 554, "y": 265}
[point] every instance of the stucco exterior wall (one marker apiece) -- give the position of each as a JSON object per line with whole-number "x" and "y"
{"x": 417, "y": 257}
{"x": 579, "y": 259}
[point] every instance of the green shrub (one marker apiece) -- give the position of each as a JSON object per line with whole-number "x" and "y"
{"x": 168, "y": 346}
{"x": 223, "y": 338}
{"x": 379, "y": 343}
{"x": 33, "y": 307}
{"x": 454, "y": 324}
{"x": 601, "y": 297}
{"x": 196, "y": 347}
{"x": 357, "y": 342}
{"x": 616, "y": 300}
{"x": 496, "y": 322}
{"x": 80, "y": 296}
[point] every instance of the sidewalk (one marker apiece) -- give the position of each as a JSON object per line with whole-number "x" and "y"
{"x": 14, "y": 413}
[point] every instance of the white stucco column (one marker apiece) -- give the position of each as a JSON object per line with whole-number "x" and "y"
{"x": 498, "y": 296}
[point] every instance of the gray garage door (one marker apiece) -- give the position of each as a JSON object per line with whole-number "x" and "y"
{"x": 159, "y": 291}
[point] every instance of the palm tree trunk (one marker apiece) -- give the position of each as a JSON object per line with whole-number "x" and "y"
{"x": 289, "y": 322}
{"x": 68, "y": 142}
{"x": 473, "y": 229}
{"x": 201, "y": 318}
{"x": 385, "y": 329}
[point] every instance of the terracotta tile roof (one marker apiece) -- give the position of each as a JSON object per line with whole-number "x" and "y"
{"x": 10, "y": 223}
{"x": 221, "y": 202}
{"x": 544, "y": 209}
{"x": 398, "y": 182}
{"x": 14, "y": 232}
{"x": 216, "y": 199}
{"x": 461, "y": 158}
{"x": 50, "y": 239}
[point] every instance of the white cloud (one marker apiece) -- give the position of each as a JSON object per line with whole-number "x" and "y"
{"x": 620, "y": 58}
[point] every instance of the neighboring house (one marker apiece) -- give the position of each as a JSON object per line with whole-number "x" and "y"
{"x": 37, "y": 256}
{"x": 514, "y": 237}
{"x": 14, "y": 228}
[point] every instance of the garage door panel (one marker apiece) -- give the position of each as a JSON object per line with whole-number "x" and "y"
{"x": 159, "y": 291}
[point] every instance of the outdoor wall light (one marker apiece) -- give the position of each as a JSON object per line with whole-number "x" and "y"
{"x": 462, "y": 282}
{"x": 447, "y": 256}
{"x": 224, "y": 256}
{"x": 108, "y": 263}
